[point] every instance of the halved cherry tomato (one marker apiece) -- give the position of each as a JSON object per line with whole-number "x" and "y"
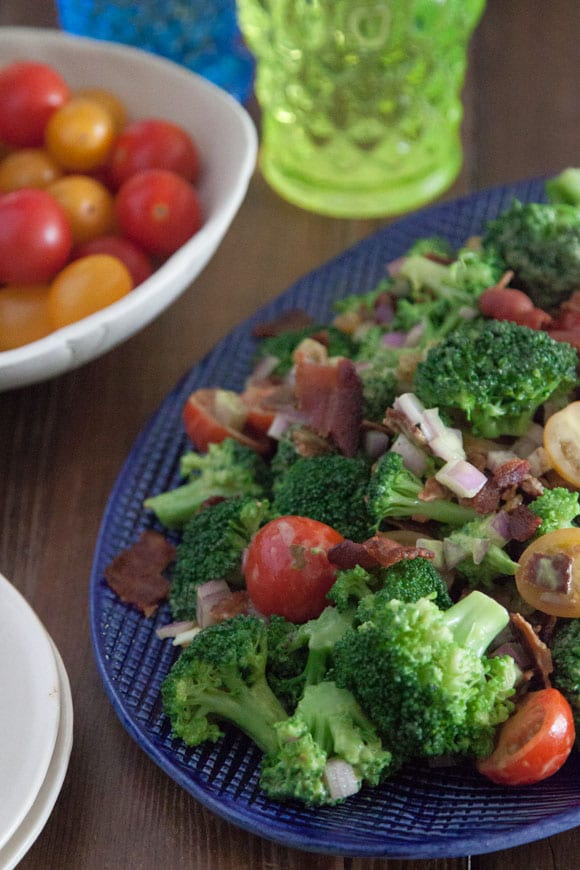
{"x": 211, "y": 414}
{"x": 562, "y": 442}
{"x": 257, "y": 399}
{"x": 534, "y": 742}
{"x": 286, "y": 569}
{"x": 538, "y": 584}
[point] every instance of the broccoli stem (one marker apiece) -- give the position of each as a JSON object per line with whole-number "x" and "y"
{"x": 175, "y": 506}
{"x": 254, "y": 710}
{"x": 475, "y": 620}
{"x": 440, "y": 510}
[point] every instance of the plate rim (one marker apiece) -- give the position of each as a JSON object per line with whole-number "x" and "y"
{"x": 226, "y": 808}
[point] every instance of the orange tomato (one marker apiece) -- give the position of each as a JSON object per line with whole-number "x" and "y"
{"x": 24, "y": 315}
{"x": 85, "y": 286}
{"x": 80, "y": 135}
{"x": 88, "y": 205}
{"x": 553, "y": 601}
{"x": 109, "y": 101}
{"x": 562, "y": 442}
{"x": 28, "y": 167}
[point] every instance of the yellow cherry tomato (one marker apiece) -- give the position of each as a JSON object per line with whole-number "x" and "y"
{"x": 88, "y": 205}
{"x": 28, "y": 167}
{"x": 562, "y": 442}
{"x": 85, "y": 286}
{"x": 109, "y": 101}
{"x": 24, "y": 315}
{"x": 539, "y": 579}
{"x": 80, "y": 135}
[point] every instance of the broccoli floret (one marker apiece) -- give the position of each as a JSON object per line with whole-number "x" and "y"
{"x": 327, "y": 726}
{"x": 329, "y": 489}
{"x": 541, "y": 243}
{"x": 380, "y": 388}
{"x": 422, "y": 676}
{"x": 283, "y": 345}
{"x": 228, "y": 469}
{"x": 362, "y": 302}
{"x": 565, "y": 650}
{"x": 479, "y": 549}
{"x": 495, "y": 375}
{"x": 301, "y": 655}
{"x": 434, "y": 245}
{"x": 393, "y": 491}
{"x": 564, "y": 187}
{"x": 439, "y": 294}
{"x": 407, "y": 580}
{"x": 557, "y": 508}
{"x": 220, "y": 677}
{"x": 211, "y": 549}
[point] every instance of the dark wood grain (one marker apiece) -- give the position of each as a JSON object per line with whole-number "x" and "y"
{"x": 63, "y": 442}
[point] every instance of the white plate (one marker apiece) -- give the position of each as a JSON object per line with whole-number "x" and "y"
{"x": 29, "y": 708}
{"x": 23, "y": 838}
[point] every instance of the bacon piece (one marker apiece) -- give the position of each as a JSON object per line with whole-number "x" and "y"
{"x": 396, "y": 421}
{"x": 331, "y": 396}
{"x": 433, "y": 490}
{"x": 514, "y": 471}
{"x": 486, "y": 501}
{"x": 540, "y": 653}
{"x": 233, "y": 605}
{"x": 522, "y": 523}
{"x": 285, "y": 322}
{"x": 135, "y": 575}
{"x": 378, "y": 551}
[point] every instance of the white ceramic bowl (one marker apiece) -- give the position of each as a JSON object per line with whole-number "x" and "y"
{"x": 151, "y": 87}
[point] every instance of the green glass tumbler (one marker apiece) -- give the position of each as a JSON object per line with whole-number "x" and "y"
{"x": 361, "y": 99}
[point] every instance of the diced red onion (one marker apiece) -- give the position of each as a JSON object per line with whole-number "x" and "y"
{"x": 394, "y": 339}
{"x": 341, "y": 779}
{"x": 283, "y": 420}
{"x": 383, "y": 311}
{"x": 540, "y": 462}
{"x": 447, "y": 446}
{"x": 415, "y": 335}
{"x": 413, "y": 457}
{"x": 436, "y": 547}
{"x": 375, "y": 443}
{"x": 185, "y": 637}
{"x": 499, "y": 528}
{"x": 454, "y": 553}
{"x": 264, "y": 367}
{"x": 466, "y": 312}
{"x": 480, "y": 550}
{"x": 394, "y": 267}
{"x": 172, "y": 629}
{"x": 208, "y": 595}
{"x": 461, "y": 477}
{"x": 432, "y": 424}
{"x": 533, "y": 438}
{"x": 411, "y": 406}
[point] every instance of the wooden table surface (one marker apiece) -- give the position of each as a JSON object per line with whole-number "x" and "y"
{"x": 63, "y": 442}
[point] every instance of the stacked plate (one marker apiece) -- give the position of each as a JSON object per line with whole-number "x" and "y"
{"x": 36, "y": 725}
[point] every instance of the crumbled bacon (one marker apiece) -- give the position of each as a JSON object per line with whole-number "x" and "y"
{"x": 233, "y": 605}
{"x": 331, "y": 397}
{"x": 287, "y": 321}
{"x": 378, "y": 551}
{"x": 511, "y": 473}
{"x": 486, "y": 501}
{"x": 433, "y": 490}
{"x": 396, "y": 421}
{"x": 540, "y": 653}
{"x": 522, "y": 523}
{"x": 135, "y": 575}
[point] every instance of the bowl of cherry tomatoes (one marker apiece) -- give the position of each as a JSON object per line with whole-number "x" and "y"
{"x": 120, "y": 174}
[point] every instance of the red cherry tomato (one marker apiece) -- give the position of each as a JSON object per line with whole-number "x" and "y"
{"x": 534, "y": 742}
{"x": 153, "y": 144}
{"x": 159, "y": 210}
{"x": 287, "y": 570}
{"x": 508, "y": 303}
{"x": 35, "y": 237}
{"x": 136, "y": 260}
{"x": 29, "y": 94}
{"x": 210, "y": 415}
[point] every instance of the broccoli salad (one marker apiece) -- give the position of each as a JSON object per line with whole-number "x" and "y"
{"x": 378, "y": 557}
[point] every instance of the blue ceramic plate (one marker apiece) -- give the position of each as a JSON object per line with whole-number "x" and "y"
{"x": 422, "y": 813}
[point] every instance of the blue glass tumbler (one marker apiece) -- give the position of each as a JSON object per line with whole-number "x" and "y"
{"x": 202, "y": 35}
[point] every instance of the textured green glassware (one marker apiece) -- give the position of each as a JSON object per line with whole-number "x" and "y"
{"x": 361, "y": 99}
